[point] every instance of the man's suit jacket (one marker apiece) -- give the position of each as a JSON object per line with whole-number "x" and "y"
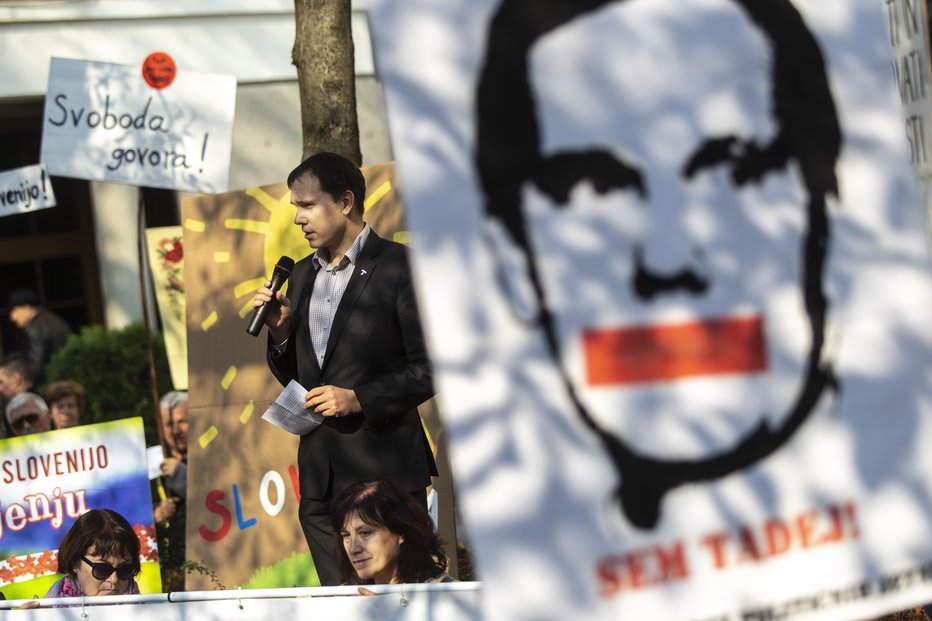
{"x": 376, "y": 348}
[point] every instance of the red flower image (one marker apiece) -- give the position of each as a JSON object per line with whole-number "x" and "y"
{"x": 173, "y": 250}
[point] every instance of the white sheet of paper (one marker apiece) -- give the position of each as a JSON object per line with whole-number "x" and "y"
{"x": 154, "y": 456}
{"x": 288, "y": 413}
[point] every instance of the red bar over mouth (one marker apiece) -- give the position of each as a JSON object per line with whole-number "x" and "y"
{"x": 663, "y": 352}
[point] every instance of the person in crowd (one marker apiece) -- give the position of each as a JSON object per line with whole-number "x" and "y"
{"x": 27, "y": 413}
{"x": 16, "y": 376}
{"x": 170, "y": 507}
{"x": 66, "y": 400}
{"x": 166, "y": 403}
{"x": 166, "y": 504}
{"x": 175, "y": 466}
{"x": 99, "y": 555}
{"x": 349, "y": 332}
{"x": 46, "y": 332}
{"x": 386, "y": 536}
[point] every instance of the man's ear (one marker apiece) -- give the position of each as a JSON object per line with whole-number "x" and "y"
{"x": 348, "y": 201}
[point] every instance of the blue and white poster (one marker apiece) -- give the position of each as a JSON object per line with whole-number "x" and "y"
{"x": 48, "y": 480}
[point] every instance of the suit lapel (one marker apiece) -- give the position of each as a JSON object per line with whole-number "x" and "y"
{"x": 362, "y": 271}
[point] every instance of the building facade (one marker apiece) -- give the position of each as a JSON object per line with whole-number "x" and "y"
{"x": 82, "y": 255}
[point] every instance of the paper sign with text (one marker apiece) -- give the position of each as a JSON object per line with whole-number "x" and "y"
{"x": 907, "y": 28}
{"x": 25, "y": 189}
{"x": 676, "y": 286}
{"x": 103, "y": 122}
{"x": 48, "y": 480}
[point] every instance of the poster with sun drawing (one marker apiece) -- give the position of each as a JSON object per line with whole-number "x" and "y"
{"x": 242, "y": 500}
{"x": 676, "y": 293}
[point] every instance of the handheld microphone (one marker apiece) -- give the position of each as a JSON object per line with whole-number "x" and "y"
{"x": 279, "y": 275}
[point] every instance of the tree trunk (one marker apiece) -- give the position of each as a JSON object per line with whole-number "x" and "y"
{"x": 323, "y": 55}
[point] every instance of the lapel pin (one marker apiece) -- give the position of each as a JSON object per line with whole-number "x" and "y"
{"x": 362, "y": 272}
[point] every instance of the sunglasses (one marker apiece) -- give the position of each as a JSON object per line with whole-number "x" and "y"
{"x": 29, "y": 419}
{"x": 102, "y": 571}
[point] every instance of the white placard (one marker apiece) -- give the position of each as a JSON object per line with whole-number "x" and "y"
{"x": 907, "y": 29}
{"x": 25, "y": 189}
{"x": 103, "y": 122}
{"x": 155, "y": 455}
{"x": 676, "y": 287}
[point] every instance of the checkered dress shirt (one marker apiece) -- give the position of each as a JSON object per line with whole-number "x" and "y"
{"x": 329, "y": 286}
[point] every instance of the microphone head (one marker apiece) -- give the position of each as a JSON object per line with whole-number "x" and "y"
{"x": 285, "y": 264}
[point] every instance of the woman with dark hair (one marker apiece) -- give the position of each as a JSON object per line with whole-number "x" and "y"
{"x": 66, "y": 400}
{"x": 386, "y": 536}
{"x": 99, "y": 555}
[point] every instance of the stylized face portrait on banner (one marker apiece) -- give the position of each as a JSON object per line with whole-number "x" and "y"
{"x": 698, "y": 308}
{"x": 677, "y": 232}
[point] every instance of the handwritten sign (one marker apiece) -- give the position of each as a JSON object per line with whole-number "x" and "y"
{"x": 25, "y": 189}
{"x": 906, "y": 28}
{"x": 103, "y": 122}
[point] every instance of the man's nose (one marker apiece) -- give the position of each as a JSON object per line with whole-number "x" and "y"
{"x": 648, "y": 283}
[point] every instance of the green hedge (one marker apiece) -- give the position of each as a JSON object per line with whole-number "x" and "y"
{"x": 113, "y": 367}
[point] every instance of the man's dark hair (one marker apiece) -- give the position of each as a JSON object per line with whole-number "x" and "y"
{"x": 102, "y": 532}
{"x": 385, "y": 503}
{"x": 18, "y": 363}
{"x": 336, "y": 175}
{"x": 19, "y": 297}
{"x": 508, "y": 155}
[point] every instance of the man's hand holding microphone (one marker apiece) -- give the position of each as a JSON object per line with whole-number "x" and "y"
{"x": 276, "y": 315}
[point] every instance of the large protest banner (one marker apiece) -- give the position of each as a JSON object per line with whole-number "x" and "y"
{"x": 676, "y": 279}
{"x": 48, "y": 480}
{"x": 105, "y": 122}
{"x": 242, "y": 487}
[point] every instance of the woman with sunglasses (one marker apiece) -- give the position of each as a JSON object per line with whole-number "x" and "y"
{"x": 99, "y": 555}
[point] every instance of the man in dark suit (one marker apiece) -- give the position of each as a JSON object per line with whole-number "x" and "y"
{"x": 349, "y": 332}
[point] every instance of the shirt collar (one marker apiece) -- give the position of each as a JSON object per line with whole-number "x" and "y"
{"x": 322, "y": 256}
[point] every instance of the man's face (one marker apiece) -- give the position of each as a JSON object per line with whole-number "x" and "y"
{"x": 179, "y": 427}
{"x": 321, "y": 218}
{"x": 11, "y": 384}
{"x": 636, "y": 337}
{"x": 167, "y": 429}
{"x": 28, "y": 419}
{"x": 22, "y": 315}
